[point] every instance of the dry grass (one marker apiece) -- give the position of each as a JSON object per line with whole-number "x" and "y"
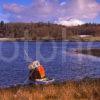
{"x": 88, "y": 89}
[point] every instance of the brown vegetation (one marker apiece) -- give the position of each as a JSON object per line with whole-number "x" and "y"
{"x": 87, "y": 89}
{"x": 46, "y": 31}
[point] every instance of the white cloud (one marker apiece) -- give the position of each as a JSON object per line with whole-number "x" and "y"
{"x": 14, "y": 8}
{"x": 88, "y": 8}
{"x": 47, "y": 10}
{"x": 4, "y": 17}
{"x": 63, "y": 3}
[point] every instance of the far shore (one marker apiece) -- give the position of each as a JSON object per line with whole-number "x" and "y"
{"x": 11, "y": 39}
{"x": 69, "y": 40}
{"x": 94, "y": 52}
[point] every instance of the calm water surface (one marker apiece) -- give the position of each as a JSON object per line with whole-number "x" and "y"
{"x": 58, "y": 59}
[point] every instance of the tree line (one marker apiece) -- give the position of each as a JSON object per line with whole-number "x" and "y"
{"x": 40, "y": 31}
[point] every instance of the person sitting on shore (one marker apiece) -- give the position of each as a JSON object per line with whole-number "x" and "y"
{"x": 37, "y": 71}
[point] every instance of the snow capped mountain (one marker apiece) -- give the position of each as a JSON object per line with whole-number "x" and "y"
{"x": 71, "y": 22}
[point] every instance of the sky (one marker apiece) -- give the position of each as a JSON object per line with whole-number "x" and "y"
{"x": 56, "y": 11}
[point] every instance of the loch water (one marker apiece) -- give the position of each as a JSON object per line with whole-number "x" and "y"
{"x": 58, "y": 58}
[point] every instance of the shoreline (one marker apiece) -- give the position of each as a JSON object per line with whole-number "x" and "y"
{"x": 44, "y": 40}
{"x": 93, "y": 52}
{"x": 70, "y": 90}
{"x": 54, "y": 83}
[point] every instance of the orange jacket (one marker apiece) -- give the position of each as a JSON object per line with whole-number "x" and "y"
{"x": 41, "y": 71}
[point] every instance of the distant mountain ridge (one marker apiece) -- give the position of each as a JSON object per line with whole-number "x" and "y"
{"x": 71, "y": 22}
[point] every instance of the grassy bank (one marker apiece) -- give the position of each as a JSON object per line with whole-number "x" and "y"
{"x": 87, "y": 89}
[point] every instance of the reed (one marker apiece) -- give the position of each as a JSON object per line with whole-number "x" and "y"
{"x": 88, "y": 89}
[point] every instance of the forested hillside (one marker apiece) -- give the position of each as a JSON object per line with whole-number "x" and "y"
{"x": 42, "y": 31}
